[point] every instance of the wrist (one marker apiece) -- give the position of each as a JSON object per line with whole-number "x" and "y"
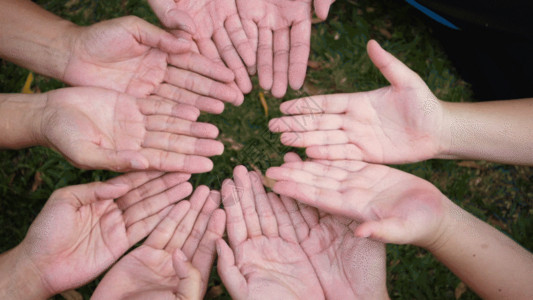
{"x": 445, "y": 229}
{"x": 444, "y": 137}
{"x": 21, "y": 279}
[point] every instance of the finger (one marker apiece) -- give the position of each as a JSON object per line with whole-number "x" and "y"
{"x": 281, "y": 62}
{"x": 153, "y": 36}
{"x": 175, "y": 162}
{"x": 322, "y": 8}
{"x": 200, "y": 85}
{"x": 203, "y": 103}
{"x": 152, "y": 205}
{"x": 265, "y": 58}
{"x": 252, "y": 33}
{"x": 246, "y": 196}
{"x": 186, "y": 225}
{"x": 291, "y": 157}
{"x": 232, "y": 59}
{"x": 318, "y": 170}
{"x": 190, "y": 281}
{"x": 204, "y": 254}
{"x": 394, "y": 70}
{"x": 285, "y": 228}
{"x": 156, "y": 105}
{"x": 392, "y": 230}
{"x": 296, "y": 175}
{"x": 172, "y": 17}
{"x": 182, "y": 144}
{"x": 151, "y": 188}
{"x": 202, "y": 65}
{"x": 136, "y": 179}
{"x": 230, "y": 274}
{"x": 162, "y": 234}
{"x": 93, "y": 157}
{"x": 236, "y": 225}
{"x": 240, "y": 40}
{"x": 348, "y": 165}
{"x": 298, "y": 222}
{"x": 200, "y": 226}
{"x": 139, "y": 230}
{"x": 335, "y": 152}
{"x": 181, "y": 127}
{"x": 92, "y": 192}
{"x": 310, "y": 122}
{"x": 314, "y": 138}
{"x": 330, "y": 104}
{"x": 267, "y": 219}
{"x": 300, "y": 47}
{"x": 309, "y": 214}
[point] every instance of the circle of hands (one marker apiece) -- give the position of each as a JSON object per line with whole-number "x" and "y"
{"x": 140, "y": 90}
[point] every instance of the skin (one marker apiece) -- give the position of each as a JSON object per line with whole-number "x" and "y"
{"x": 397, "y": 207}
{"x": 265, "y": 259}
{"x": 405, "y": 122}
{"x": 103, "y": 129}
{"x": 322, "y": 8}
{"x": 126, "y": 54}
{"x": 82, "y": 230}
{"x": 176, "y": 259}
{"x": 218, "y": 32}
{"x": 280, "y": 32}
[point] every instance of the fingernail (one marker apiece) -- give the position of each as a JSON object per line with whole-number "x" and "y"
{"x": 181, "y": 255}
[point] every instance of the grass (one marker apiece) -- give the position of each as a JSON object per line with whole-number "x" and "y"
{"x": 499, "y": 194}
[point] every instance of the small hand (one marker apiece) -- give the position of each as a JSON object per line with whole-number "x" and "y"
{"x": 265, "y": 260}
{"x": 98, "y": 128}
{"x": 132, "y": 56}
{"x": 280, "y": 31}
{"x": 396, "y": 124}
{"x": 81, "y": 230}
{"x": 392, "y": 206}
{"x": 218, "y": 32}
{"x": 176, "y": 259}
{"x": 347, "y": 266}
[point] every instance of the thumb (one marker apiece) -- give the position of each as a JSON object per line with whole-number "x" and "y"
{"x": 171, "y": 17}
{"x": 322, "y": 8}
{"x": 118, "y": 161}
{"x": 387, "y": 231}
{"x": 397, "y": 73}
{"x": 190, "y": 282}
{"x": 230, "y": 275}
{"x": 153, "y": 36}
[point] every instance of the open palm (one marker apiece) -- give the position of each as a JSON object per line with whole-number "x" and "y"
{"x": 98, "y": 128}
{"x": 395, "y": 124}
{"x": 153, "y": 269}
{"x": 82, "y": 230}
{"x": 265, "y": 259}
{"x": 219, "y": 34}
{"x": 280, "y": 32}
{"x": 132, "y": 56}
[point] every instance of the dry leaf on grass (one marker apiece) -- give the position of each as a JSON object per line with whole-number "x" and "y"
{"x": 460, "y": 290}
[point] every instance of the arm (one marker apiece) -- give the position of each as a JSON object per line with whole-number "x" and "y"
{"x": 34, "y": 38}
{"x": 499, "y": 131}
{"x": 20, "y": 116}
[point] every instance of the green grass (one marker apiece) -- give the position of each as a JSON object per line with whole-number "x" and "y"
{"x": 499, "y": 194}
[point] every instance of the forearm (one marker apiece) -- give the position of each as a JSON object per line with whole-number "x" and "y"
{"x": 489, "y": 262}
{"x": 499, "y": 131}
{"x": 34, "y": 38}
{"x": 19, "y": 279}
{"x": 20, "y": 117}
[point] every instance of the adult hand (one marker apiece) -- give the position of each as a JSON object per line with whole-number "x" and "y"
{"x": 265, "y": 260}
{"x": 280, "y": 32}
{"x": 322, "y": 8}
{"x": 397, "y": 124}
{"x": 392, "y": 206}
{"x": 347, "y": 266}
{"x": 175, "y": 260}
{"x": 218, "y": 32}
{"x": 132, "y": 56}
{"x": 81, "y": 230}
{"x": 98, "y": 128}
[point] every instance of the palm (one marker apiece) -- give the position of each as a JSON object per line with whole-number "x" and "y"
{"x": 395, "y": 124}
{"x": 97, "y": 128}
{"x": 280, "y": 32}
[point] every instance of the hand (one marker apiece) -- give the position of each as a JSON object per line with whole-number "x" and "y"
{"x": 280, "y": 32}
{"x": 397, "y": 124}
{"x": 392, "y": 206}
{"x": 348, "y": 267}
{"x": 81, "y": 230}
{"x": 130, "y": 55}
{"x": 98, "y": 128}
{"x": 218, "y": 32}
{"x": 322, "y": 8}
{"x": 265, "y": 260}
{"x": 176, "y": 259}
